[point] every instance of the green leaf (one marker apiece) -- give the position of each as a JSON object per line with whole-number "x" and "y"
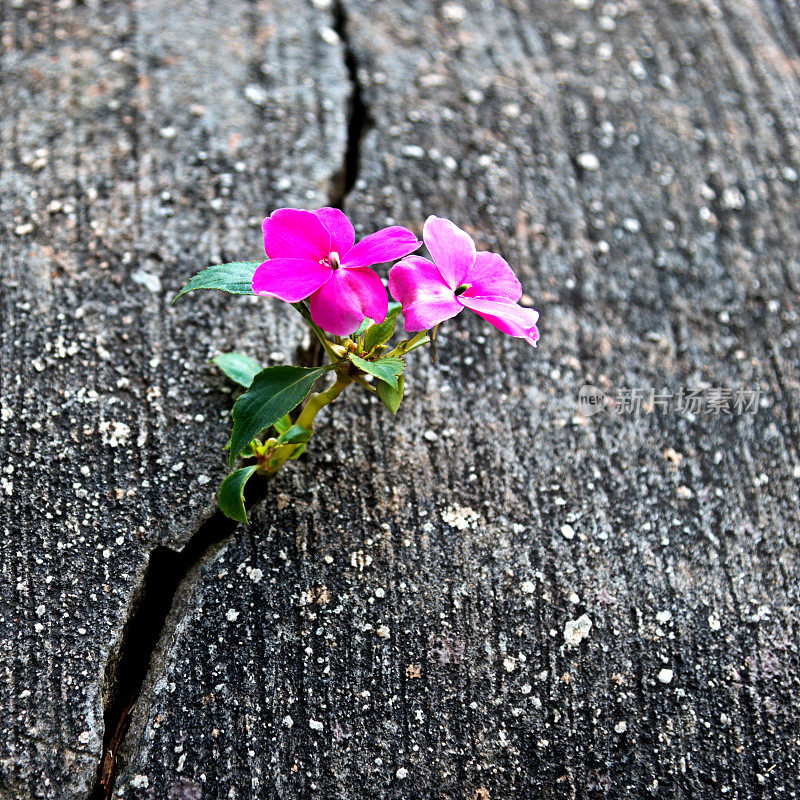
{"x": 391, "y": 397}
{"x": 236, "y": 278}
{"x": 249, "y": 450}
{"x": 380, "y": 334}
{"x": 231, "y": 494}
{"x": 421, "y": 343}
{"x": 283, "y": 424}
{"x": 387, "y": 369}
{"x": 295, "y": 435}
{"x": 363, "y": 326}
{"x": 238, "y": 367}
{"x": 275, "y": 391}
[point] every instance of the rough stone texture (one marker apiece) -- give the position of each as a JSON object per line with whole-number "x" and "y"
{"x": 131, "y": 157}
{"x": 408, "y": 616}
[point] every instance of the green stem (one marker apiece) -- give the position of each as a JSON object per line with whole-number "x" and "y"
{"x": 307, "y": 416}
{"x": 319, "y": 400}
{"x": 404, "y": 347}
{"x": 306, "y": 314}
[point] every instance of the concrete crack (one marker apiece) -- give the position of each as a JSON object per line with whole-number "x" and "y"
{"x": 170, "y": 573}
{"x": 129, "y": 667}
{"x": 359, "y": 119}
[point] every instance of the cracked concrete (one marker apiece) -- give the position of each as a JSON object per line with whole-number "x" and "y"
{"x": 122, "y": 211}
{"x": 168, "y": 582}
{"x": 158, "y": 608}
{"x": 403, "y": 635}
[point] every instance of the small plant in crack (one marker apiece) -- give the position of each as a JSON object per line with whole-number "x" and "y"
{"x": 314, "y": 264}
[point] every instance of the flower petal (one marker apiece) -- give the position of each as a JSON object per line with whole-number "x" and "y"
{"x": 339, "y": 227}
{"x": 427, "y": 300}
{"x": 452, "y": 249}
{"x": 290, "y": 279}
{"x": 387, "y": 244}
{"x": 340, "y": 306}
{"x": 294, "y": 233}
{"x": 506, "y": 316}
{"x": 491, "y": 276}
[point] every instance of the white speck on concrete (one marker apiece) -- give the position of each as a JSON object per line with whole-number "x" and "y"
{"x": 606, "y": 23}
{"x": 413, "y": 151}
{"x": 453, "y": 12}
{"x": 460, "y": 517}
{"x": 732, "y": 199}
{"x": 148, "y": 280}
{"x": 631, "y": 224}
{"x": 329, "y": 36}
{"x": 576, "y": 630}
{"x": 256, "y": 94}
{"x": 114, "y": 433}
{"x": 254, "y": 574}
{"x": 588, "y": 161}
{"x": 665, "y": 676}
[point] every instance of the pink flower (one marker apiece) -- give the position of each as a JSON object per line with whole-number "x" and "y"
{"x": 459, "y": 277}
{"x": 311, "y": 254}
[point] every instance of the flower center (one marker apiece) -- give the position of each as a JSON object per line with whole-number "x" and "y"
{"x": 334, "y": 260}
{"x": 461, "y": 289}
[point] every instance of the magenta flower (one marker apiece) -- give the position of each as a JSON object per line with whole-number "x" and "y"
{"x": 311, "y": 254}
{"x": 459, "y": 277}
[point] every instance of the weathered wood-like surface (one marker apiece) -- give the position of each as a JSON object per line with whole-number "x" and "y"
{"x": 130, "y": 146}
{"x": 393, "y": 623}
